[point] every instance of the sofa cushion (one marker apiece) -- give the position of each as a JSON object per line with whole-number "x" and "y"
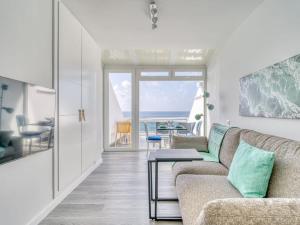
{"x": 194, "y": 191}
{"x": 190, "y": 142}
{"x": 229, "y": 146}
{"x": 245, "y": 211}
{"x": 285, "y": 179}
{"x": 199, "y": 167}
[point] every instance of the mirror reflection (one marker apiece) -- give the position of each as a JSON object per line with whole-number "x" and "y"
{"x": 26, "y": 119}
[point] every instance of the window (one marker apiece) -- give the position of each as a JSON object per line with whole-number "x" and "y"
{"x": 188, "y": 74}
{"x": 169, "y": 103}
{"x": 155, "y": 74}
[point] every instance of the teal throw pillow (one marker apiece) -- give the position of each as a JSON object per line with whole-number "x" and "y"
{"x": 250, "y": 170}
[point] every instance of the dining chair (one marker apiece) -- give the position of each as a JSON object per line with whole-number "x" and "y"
{"x": 155, "y": 139}
{"x": 28, "y": 134}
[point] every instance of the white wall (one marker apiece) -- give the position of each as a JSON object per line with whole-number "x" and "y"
{"x": 198, "y": 104}
{"x": 269, "y": 35}
{"x": 26, "y": 188}
{"x": 26, "y": 54}
{"x": 213, "y": 85}
{"x": 115, "y": 113}
{"x": 100, "y": 109}
{"x": 26, "y": 40}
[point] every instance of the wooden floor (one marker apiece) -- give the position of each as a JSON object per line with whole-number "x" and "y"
{"x": 115, "y": 194}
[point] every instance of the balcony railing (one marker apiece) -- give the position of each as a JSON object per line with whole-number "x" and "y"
{"x": 156, "y": 126}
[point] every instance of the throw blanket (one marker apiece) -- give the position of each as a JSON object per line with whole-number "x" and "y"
{"x": 216, "y": 136}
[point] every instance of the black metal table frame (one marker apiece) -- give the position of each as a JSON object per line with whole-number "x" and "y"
{"x": 156, "y": 198}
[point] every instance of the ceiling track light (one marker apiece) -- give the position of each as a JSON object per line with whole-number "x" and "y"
{"x": 153, "y": 14}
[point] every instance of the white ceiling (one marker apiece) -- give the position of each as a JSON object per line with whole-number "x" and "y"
{"x": 182, "y": 25}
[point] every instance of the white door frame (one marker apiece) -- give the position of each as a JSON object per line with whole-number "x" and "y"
{"x": 106, "y": 73}
{"x": 135, "y": 71}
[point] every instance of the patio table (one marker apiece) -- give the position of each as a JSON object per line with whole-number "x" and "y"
{"x": 171, "y": 130}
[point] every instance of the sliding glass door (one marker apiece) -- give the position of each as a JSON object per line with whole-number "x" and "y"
{"x": 152, "y": 102}
{"x": 118, "y": 116}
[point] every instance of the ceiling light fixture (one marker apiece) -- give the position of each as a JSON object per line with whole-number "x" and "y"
{"x": 197, "y": 51}
{"x": 193, "y": 58}
{"x": 153, "y": 13}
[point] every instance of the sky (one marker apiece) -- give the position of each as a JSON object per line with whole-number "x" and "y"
{"x": 155, "y": 95}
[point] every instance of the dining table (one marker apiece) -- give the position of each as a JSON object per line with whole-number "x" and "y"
{"x": 171, "y": 129}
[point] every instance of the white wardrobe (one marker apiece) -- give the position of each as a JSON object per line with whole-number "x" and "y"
{"x": 78, "y": 60}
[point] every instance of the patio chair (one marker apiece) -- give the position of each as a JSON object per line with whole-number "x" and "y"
{"x": 155, "y": 139}
{"x": 123, "y": 132}
{"x": 163, "y": 133}
{"x": 188, "y": 126}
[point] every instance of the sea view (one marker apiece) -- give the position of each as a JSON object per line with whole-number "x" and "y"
{"x": 151, "y": 117}
{"x": 160, "y": 114}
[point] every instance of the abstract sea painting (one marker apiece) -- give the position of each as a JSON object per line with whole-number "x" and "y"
{"x": 273, "y": 92}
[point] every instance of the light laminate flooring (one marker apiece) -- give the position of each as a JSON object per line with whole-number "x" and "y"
{"x": 115, "y": 194}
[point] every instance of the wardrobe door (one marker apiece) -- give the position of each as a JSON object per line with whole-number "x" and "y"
{"x": 69, "y": 97}
{"x": 89, "y": 125}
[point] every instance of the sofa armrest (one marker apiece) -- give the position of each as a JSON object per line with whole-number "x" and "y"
{"x": 268, "y": 211}
{"x": 182, "y": 142}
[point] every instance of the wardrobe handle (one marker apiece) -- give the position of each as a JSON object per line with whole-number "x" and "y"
{"x": 79, "y": 115}
{"x": 83, "y": 115}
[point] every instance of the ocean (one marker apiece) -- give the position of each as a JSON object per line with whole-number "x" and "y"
{"x": 157, "y": 114}
{"x": 160, "y": 114}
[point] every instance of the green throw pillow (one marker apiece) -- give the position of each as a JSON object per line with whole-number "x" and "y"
{"x": 250, "y": 170}
{"x": 216, "y": 136}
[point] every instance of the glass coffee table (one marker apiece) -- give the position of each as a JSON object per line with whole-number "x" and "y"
{"x": 161, "y": 156}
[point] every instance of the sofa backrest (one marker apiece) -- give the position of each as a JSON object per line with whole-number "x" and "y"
{"x": 229, "y": 146}
{"x": 285, "y": 179}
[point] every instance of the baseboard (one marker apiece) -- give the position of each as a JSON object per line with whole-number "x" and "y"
{"x": 56, "y": 201}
